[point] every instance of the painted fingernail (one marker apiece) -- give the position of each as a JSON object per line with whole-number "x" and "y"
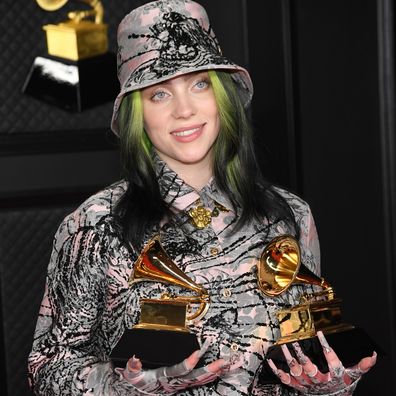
{"x": 286, "y": 352}
{"x": 235, "y": 358}
{"x": 204, "y": 347}
{"x": 226, "y": 365}
{"x": 273, "y": 367}
{"x": 286, "y": 379}
{"x": 325, "y": 345}
{"x": 291, "y": 361}
{"x": 197, "y": 354}
{"x": 312, "y": 373}
{"x": 134, "y": 364}
{"x": 296, "y": 371}
{"x": 302, "y": 358}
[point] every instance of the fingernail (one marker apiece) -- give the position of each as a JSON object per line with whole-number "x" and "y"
{"x": 197, "y": 354}
{"x": 286, "y": 351}
{"x": 273, "y": 367}
{"x": 325, "y": 345}
{"x": 205, "y": 345}
{"x": 302, "y": 358}
{"x": 133, "y": 364}
{"x": 286, "y": 379}
{"x": 134, "y": 360}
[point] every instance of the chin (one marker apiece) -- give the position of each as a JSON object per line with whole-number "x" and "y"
{"x": 191, "y": 160}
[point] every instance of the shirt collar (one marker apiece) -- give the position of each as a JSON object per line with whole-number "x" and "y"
{"x": 179, "y": 195}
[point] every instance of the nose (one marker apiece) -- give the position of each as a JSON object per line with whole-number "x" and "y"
{"x": 183, "y": 106}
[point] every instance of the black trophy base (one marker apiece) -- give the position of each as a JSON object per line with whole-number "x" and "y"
{"x": 73, "y": 85}
{"x": 350, "y": 346}
{"x": 154, "y": 348}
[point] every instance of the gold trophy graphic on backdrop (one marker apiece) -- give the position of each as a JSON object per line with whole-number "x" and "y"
{"x": 162, "y": 336}
{"x": 77, "y": 59}
{"x": 279, "y": 269}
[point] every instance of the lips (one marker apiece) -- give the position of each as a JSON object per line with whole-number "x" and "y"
{"x": 187, "y": 134}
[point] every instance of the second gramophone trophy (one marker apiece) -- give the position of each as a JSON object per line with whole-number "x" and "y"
{"x": 279, "y": 268}
{"x": 162, "y": 337}
{"x": 77, "y": 59}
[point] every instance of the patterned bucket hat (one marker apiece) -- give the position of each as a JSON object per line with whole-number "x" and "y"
{"x": 165, "y": 39}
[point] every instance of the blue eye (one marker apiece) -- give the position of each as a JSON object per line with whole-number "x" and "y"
{"x": 202, "y": 84}
{"x": 159, "y": 95}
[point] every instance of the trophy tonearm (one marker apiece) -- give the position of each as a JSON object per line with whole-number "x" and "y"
{"x": 279, "y": 268}
{"x": 169, "y": 312}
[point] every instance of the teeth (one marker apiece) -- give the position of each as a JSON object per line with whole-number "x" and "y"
{"x": 186, "y": 133}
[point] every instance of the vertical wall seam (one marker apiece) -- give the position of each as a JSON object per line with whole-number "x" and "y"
{"x": 386, "y": 87}
{"x": 294, "y": 146}
{"x": 245, "y": 33}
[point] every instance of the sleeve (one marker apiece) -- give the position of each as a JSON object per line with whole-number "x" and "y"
{"x": 67, "y": 358}
{"x": 309, "y": 241}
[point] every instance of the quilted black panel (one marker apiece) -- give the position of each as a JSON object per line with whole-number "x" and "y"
{"x": 21, "y": 40}
{"x": 25, "y": 245}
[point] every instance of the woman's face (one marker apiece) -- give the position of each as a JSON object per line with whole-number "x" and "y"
{"x": 181, "y": 119}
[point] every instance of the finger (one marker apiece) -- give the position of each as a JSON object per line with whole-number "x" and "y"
{"x": 205, "y": 379}
{"x": 217, "y": 366}
{"x": 133, "y": 371}
{"x": 331, "y": 357}
{"x": 366, "y": 363}
{"x": 295, "y": 367}
{"x": 134, "y": 365}
{"x": 362, "y": 367}
{"x": 336, "y": 368}
{"x": 312, "y": 374}
{"x": 285, "y": 378}
{"x": 177, "y": 370}
{"x": 194, "y": 358}
{"x": 180, "y": 383}
{"x": 199, "y": 376}
{"x": 207, "y": 373}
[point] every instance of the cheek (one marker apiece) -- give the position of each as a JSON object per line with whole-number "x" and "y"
{"x": 151, "y": 119}
{"x": 153, "y": 135}
{"x": 153, "y": 129}
{"x": 216, "y": 123}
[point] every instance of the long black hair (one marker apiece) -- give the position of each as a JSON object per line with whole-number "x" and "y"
{"x": 235, "y": 168}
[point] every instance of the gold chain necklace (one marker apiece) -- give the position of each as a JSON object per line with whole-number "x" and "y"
{"x": 201, "y": 217}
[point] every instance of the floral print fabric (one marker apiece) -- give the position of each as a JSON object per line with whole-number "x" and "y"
{"x": 88, "y": 304}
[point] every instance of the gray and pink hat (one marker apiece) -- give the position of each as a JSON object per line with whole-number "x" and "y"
{"x": 167, "y": 38}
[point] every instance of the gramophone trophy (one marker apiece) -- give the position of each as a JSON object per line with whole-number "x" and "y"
{"x": 279, "y": 268}
{"x": 164, "y": 321}
{"x": 77, "y": 59}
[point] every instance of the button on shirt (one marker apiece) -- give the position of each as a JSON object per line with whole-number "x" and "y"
{"x": 241, "y": 321}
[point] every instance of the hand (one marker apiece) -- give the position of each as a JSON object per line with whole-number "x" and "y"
{"x": 305, "y": 376}
{"x": 169, "y": 380}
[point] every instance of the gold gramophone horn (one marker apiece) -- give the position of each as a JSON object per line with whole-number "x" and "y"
{"x": 96, "y": 12}
{"x": 280, "y": 267}
{"x": 51, "y": 5}
{"x": 154, "y": 264}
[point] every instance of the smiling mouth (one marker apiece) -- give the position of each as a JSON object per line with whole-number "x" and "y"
{"x": 187, "y": 132}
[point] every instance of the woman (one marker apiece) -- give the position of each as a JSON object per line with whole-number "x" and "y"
{"x": 186, "y": 149}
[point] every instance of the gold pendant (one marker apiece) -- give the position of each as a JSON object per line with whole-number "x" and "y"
{"x": 200, "y": 216}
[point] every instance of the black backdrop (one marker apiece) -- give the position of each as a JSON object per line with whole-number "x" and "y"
{"x": 323, "y": 114}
